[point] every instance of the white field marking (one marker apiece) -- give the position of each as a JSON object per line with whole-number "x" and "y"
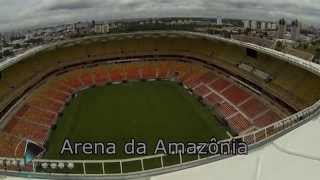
{"x": 226, "y": 88}
{"x": 261, "y": 114}
{"x": 226, "y": 100}
{"x": 246, "y": 100}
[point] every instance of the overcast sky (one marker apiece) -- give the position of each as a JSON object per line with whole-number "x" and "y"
{"x": 25, "y": 13}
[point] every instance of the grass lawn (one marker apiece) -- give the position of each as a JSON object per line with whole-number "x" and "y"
{"x": 145, "y": 111}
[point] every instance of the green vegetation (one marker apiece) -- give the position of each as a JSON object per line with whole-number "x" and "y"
{"x": 145, "y": 111}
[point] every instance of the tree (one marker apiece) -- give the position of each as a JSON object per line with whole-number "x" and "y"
{"x": 247, "y": 31}
{"x": 279, "y": 46}
{"x": 316, "y": 57}
{"x": 7, "y": 53}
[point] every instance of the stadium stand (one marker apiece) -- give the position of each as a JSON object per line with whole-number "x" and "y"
{"x": 239, "y": 124}
{"x": 253, "y": 107}
{"x": 133, "y": 71}
{"x": 208, "y": 77}
{"x": 236, "y": 95}
{"x": 116, "y": 73}
{"x": 46, "y": 104}
{"x": 267, "y": 118}
{"x": 53, "y": 94}
{"x": 196, "y": 72}
{"x": 14, "y": 76}
{"x": 37, "y": 116}
{"x": 8, "y": 145}
{"x": 86, "y": 78}
{"x": 149, "y": 71}
{"x": 220, "y": 84}
{"x": 213, "y": 99}
{"x": 240, "y": 108}
{"x": 213, "y": 51}
{"x": 202, "y": 91}
{"x": 61, "y": 87}
{"x": 205, "y": 78}
{"x": 72, "y": 80}
{"x": 164, "y": 70}
{"x": 183, "y": 70}
{"x": 226, "y": 110}
{"x": 23, "y": 129}
{"x": 101, "y": 75}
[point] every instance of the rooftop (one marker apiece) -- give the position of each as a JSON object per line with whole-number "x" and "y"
{"x": 294, "y": 156}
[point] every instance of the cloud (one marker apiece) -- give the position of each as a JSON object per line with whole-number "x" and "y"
{"x": 18, "y": 14}
{"x": 70, "y": 5}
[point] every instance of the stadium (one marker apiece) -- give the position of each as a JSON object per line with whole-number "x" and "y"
{"x": 179, "y": 86}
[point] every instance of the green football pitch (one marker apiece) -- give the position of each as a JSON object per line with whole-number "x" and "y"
{"x": 146, "y": 111}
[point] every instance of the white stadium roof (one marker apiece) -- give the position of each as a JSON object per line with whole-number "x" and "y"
{"x": 294, "y": 156}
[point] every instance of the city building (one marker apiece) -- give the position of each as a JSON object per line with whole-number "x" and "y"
{"x": 82, "y": 27}
{"x": 219, "y": 20}
{"x": 253, "y": 25}
{"x": 246, "y": 24}
{"x": 180, "y": 21}
{"x": 282, "y": 28}
{"x": 295, "y": 30}
{"x": 28, "y": 36}
{"x": 101, "y": 28}
{"x": 263, "y": 26}
{"x": 273, "y": 26}
{"x": 269, "y": 25}
{"x": 71, "y": 28}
